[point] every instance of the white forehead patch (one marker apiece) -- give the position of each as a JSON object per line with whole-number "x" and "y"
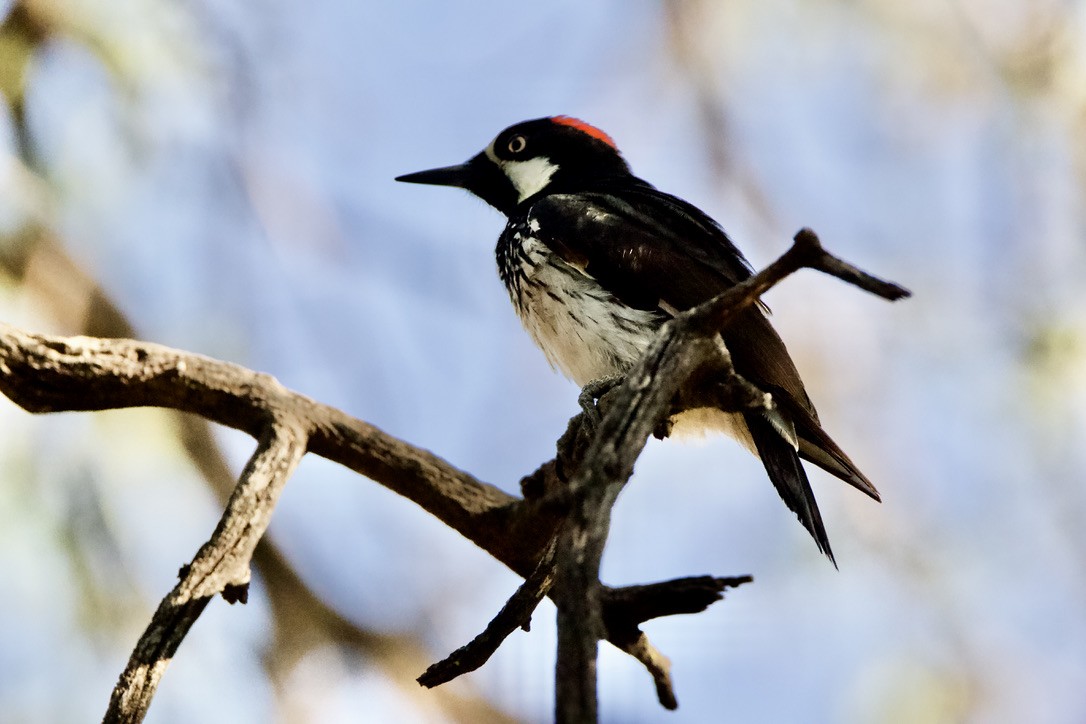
{"x": 529, "y": 177}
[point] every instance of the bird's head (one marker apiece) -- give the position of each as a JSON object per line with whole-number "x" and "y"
{"x": 552, "y": 155}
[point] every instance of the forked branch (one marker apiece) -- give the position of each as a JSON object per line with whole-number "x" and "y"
{"x": 554, "y": 537}
{"x": 634, "y": 409}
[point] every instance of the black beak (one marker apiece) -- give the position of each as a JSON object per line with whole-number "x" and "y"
{"x": 479, "y": 175}
{"x": 459, "y": 176}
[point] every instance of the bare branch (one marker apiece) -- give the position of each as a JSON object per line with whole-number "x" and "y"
{"x": 516, "y": 613}
{"x": 576, "y": 490}
{"x": 658, "y": 666}
{"x": 638, "y": 604}
{"x": 220, "y": 566}
{"x": 302, "y": 620}
{"x": 642, "y": 603}
{"x": 635, "y": 408}
{"x": 805, "y": 252}
{"x": 43, "y": 373}
{"x": 46, "y": 373}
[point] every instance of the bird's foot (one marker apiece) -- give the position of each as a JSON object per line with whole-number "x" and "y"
{"x": 592, "y": 392}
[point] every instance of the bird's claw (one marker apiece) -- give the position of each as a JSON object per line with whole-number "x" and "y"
{"x": 592, "y": 392}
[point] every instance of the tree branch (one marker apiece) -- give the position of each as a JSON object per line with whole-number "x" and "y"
{"x": 220, "y": 566}
{"x": 635, "y": 408}
{"x": 577, "y": 489}
{"x": 44, "y": 373}
{"x": 516, "y": 613}
{"x": 302, "y": 621}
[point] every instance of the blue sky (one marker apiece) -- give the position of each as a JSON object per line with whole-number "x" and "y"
{"x": 226, "y": 173}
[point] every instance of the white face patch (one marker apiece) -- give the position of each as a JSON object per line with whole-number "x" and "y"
{"x": 529, "y": 177}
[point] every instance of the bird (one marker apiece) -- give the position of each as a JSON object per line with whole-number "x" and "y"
{"x": 595, "y": 260}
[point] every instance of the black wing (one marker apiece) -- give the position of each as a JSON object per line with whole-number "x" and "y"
{"x": 656, "y": 251}
{"x": 650, "y": 249}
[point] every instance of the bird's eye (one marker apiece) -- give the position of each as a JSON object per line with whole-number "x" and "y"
{"x": 517, "y": 144}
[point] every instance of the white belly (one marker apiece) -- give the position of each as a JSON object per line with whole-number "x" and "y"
{"x": 582, "y": 329}
{"x": 588, "y": 334}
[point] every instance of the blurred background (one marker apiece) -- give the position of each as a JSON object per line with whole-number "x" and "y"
{"x": 218, "y": 177}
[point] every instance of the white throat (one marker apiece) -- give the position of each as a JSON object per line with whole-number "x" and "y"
{"x": 529, "y": 177}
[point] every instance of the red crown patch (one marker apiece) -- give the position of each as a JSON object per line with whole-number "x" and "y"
{"x": 585, "y": 128}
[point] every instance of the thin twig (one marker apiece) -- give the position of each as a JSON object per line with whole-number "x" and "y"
{"x": 682, "y": 595}
{"x": 222, "y": 564}
{"x": 516, "y": 613}
{"x": 806, "y": 252}
{"x": 658, "y": 666}
{"x": 692, "y": 594}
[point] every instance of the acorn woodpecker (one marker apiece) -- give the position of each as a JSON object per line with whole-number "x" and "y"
{"x": 596, "y": 259}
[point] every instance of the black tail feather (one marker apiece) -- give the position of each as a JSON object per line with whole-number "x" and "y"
{"x": 819, "y": 448}
{"x": 783, "y": 465}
